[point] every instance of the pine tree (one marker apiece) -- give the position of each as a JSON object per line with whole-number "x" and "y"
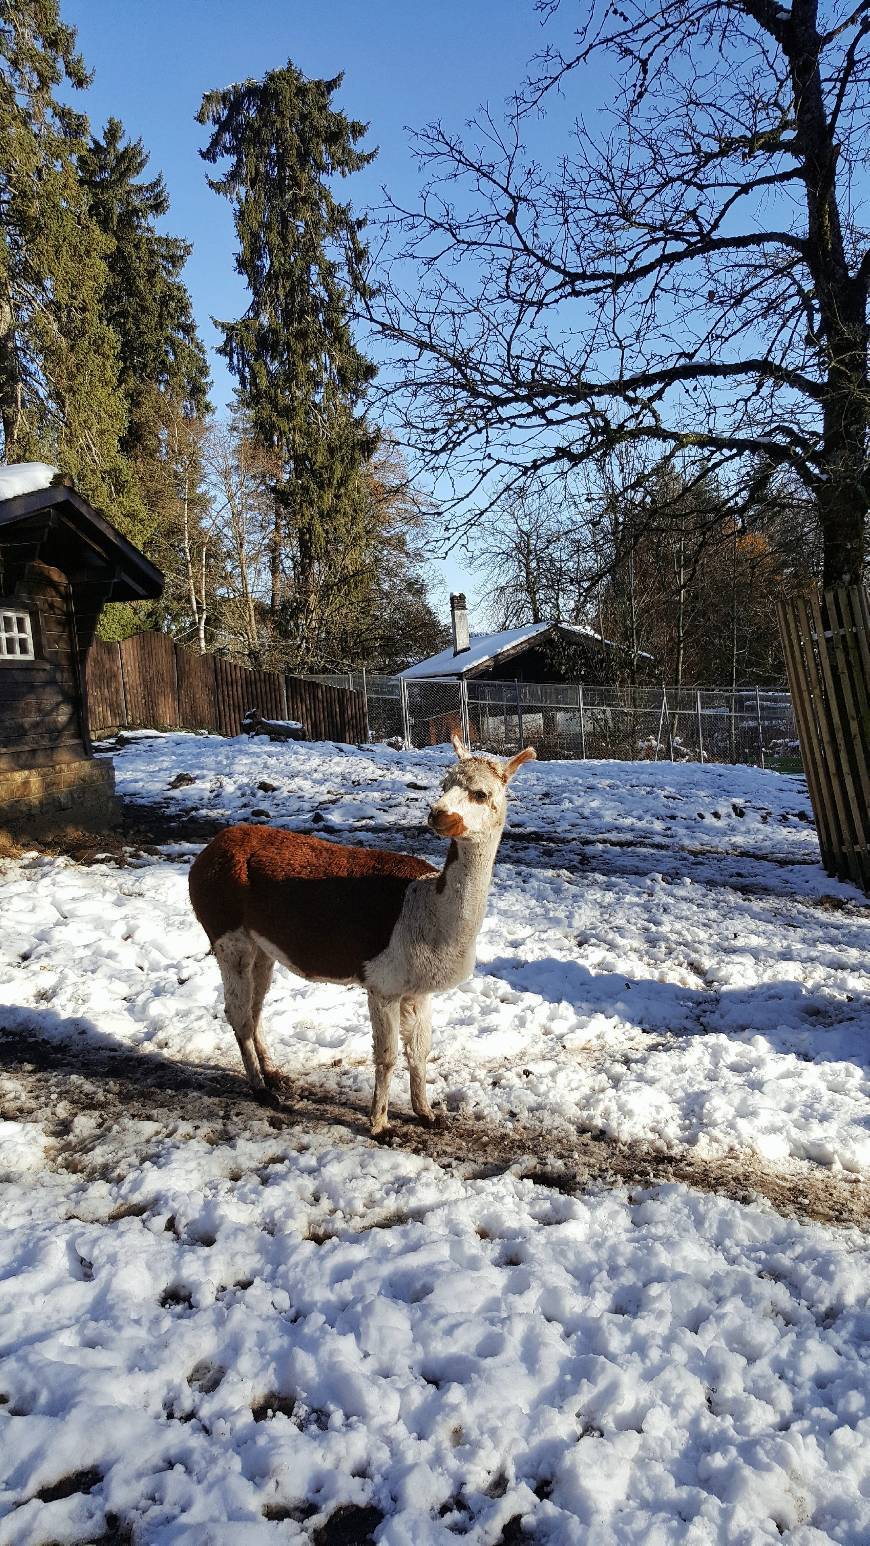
{"x": 59, "y": 393}
{"x": 301, "y": 378}
{"x": 147, "y": 301}
{"x": 163, "y": 369}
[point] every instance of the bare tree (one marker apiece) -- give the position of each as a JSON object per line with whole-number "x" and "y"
{"x": 530, "y": 556}
{"x": 241, "y": 476}
{"x": 691, "y": 278}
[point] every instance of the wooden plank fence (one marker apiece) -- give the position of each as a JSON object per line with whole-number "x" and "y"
{"x": 149, "y": 682}
{"x": 826, "y": 640}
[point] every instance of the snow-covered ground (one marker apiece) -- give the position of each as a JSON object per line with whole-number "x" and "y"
{"x": 219, "y": 1336}
{"x": 647, "y": 992}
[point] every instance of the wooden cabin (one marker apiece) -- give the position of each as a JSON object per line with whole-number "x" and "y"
{"x": 534, "y": 652}
{"x": 60, "y": 562}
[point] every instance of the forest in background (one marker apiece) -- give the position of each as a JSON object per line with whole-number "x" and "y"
{"x": 289, "y": 531}
{"x": 294, "y": 531}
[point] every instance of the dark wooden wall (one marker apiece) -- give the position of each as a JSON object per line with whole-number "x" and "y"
{"x": 41, "y": 710}
{"x": 583, "y": 661}
{"x": 149, "y": 682}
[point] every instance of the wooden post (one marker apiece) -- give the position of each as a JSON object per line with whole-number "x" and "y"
{"x": 819, "y": 678}
{"x": 814, "y": 767}
{"x": 856, "y": 777}
{"x": 125, "y": 696}
{"x": 520, "y": 734}
{"x": 760, "y": 725}
{"x": 582, "y": 725}
{"x": 700, "y": 731}
{"x": 406, "y": 715}
{"x": 827, "y": 652}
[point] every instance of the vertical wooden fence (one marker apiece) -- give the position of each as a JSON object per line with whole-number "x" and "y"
{"x": 148, "y": 681}
{"x": 827, "y": 650}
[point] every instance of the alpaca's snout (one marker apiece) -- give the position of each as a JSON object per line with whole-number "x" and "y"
{"x": 446, "y": 823}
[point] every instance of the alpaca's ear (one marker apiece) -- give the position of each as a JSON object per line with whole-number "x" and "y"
{"x": 527, "y": 755}
{"x": 459, "y": 748}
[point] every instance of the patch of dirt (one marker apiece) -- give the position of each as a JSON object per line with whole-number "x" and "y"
{"x": 349, "y": 1525}
{"x": 77, "y": 1481}
{"x": 143, "y": 830}
{"x": 216, "y": 1104}
{"x": 273, "y": 1405}
{"x": 298, "y": 1512}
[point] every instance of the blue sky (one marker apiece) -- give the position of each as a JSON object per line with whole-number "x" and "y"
{"x": 404, "y": 65}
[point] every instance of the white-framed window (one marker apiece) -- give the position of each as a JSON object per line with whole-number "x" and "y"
{"x": 16, "y": 635}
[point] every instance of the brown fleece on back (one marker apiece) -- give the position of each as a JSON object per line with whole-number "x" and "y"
{"x": 327, "y": 907}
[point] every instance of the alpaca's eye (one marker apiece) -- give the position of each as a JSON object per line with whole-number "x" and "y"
{"x": 479, "y": 795}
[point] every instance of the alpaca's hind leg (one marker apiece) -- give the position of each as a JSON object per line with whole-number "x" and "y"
{"x": 261, "y": 976}
{"x": 416, "y": 1027}
{"x": 385, "y": 1033}
{"x": 235, "y": 955}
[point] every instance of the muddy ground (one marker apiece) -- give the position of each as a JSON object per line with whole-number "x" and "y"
{"x": 172, "y": 1099}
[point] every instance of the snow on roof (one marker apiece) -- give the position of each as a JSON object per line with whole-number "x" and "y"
{"x": 488, "y": 646}
{"x": 25, "y": 478}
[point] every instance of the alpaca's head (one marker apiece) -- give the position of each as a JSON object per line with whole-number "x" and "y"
{"x": 473, "y": 801}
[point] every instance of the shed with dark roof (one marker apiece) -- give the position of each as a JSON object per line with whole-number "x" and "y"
{"x": 60, "y": 562}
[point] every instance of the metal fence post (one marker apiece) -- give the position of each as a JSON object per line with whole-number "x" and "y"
{"x": 463, "y": 712}
{"x": 700, "y": 732}
{"x": 582, "y": 725}
{"x": 365, "y": 698}
{"x": 670, "y": 726}
{"x": 661, "y": 724}
{"x": 406, "y": 716}
{"x": 760, "y": 725}
{"x": 520, "y": 734}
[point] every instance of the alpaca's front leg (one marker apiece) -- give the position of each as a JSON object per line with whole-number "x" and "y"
{"x": 384, "y": 1015}
{"x": 416, "y": 1027}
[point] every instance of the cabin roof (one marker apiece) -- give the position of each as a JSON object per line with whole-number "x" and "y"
{"x": 76, "y": 532}
{"x": 486, "y": 648}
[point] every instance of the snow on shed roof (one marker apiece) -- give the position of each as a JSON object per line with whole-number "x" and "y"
{"x": 488, "y": 647}
{"x": 25, "y": 477}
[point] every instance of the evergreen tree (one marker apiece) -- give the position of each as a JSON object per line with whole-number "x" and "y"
{"x": 59, "y": 393}
{"x": 163, "y": 372}
{"x": 147, "y": 301}
{"x": 301, "y": 378}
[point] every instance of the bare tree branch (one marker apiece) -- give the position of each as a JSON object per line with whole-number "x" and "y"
{"x": 691, "y": 276}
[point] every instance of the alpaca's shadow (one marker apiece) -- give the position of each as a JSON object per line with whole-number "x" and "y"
{"x": 791, "y": 1017}
{"x": 138, "y": 1079}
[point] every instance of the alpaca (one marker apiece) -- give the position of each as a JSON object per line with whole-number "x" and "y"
{"x": 387, "y": 922}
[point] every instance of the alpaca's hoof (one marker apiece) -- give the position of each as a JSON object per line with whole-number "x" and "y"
{"x": 267, "y": 1097}
{"x": 429, "y": 1118}
{"x": 380, "y": 1129}
{"x": 277, "y": 1082}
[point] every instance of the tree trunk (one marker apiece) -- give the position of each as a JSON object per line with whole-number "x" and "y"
{"x": 198, "y": 613}
{"x": 680, "y": 568}
{"x": 842, "y": 498}
{"x": 200, "y": 626}
{"x": 275, "y": 555}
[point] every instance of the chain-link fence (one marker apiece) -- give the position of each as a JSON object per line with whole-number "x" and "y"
{"x": 682, "y": 724}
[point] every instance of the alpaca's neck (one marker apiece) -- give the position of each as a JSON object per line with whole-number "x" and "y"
{"x": 462, "y": 888}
